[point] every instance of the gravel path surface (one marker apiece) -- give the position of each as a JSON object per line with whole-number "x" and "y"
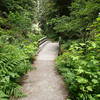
{"x": 44, "y": 83}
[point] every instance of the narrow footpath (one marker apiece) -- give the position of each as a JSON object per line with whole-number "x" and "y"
{"x": 44, "y": 83}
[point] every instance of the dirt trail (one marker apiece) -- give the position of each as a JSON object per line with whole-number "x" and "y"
{"x": 44, "y": 83}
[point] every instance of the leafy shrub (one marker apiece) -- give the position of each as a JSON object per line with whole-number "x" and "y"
{"x": 17, "y": 45}
{"x": 20, "y": 21}
{"x": 14, "y": 62}
{"x": 79, "y": 65}
{"x": 30, "y": 45}
{"x": 72, "y": 24}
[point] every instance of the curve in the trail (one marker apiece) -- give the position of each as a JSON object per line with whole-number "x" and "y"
{"x": 44, "y": 83}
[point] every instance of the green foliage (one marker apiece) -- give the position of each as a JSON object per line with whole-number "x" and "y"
{"x": 20, "y": 21}
{"x": 3, "y": 96}
{"x": 95, "y": 27}
{"x": 18, "y": 45}
{"x": 81, "y": 16}
{"x": 70, "y": 19}
{"x": 79, "y": 65}
{"x": 15, "y": 62}
{"x": 13, "y": 5}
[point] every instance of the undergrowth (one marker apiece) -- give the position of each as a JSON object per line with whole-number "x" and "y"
{"x": 79, "y": 65}
{"x": 14, "y": 63}
{"x": 17, "y": 52}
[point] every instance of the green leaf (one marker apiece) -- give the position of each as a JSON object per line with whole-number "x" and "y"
{"x": 91, "y": 98}
{"x": 82, "y": 44}
{"x": 2, "y": 94}
{"x": 98, "y": 95}
{"x": 82, "y": 88}
{"x": 89, "y": 88}
{"x": 81, "y": 80}
{"x": 94, "y": 81}
{"x": 3, "y": 99}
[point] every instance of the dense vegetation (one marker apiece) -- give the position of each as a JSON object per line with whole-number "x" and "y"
{"x": 18, "y": 44}
{"x": 77, "y": 22}
{"x": 79, "y": 65}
